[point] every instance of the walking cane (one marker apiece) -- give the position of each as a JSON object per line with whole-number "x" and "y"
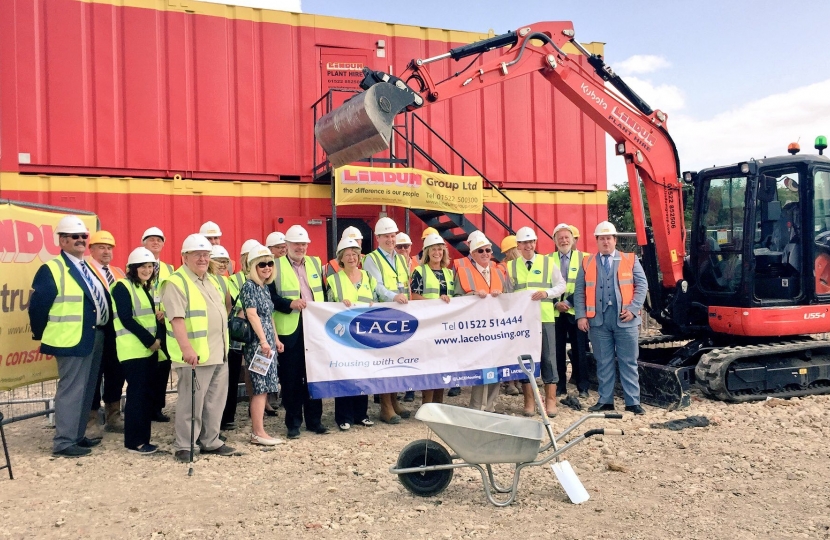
{"x": 192, "y": 417}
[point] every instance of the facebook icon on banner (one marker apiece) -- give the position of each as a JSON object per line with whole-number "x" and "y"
{"x": 489, "y": 376}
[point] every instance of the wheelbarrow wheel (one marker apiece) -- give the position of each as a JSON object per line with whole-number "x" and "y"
{"x": 420, "y": 453}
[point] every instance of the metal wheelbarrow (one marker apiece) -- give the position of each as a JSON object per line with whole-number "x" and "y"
{"x": 480, "y": 439}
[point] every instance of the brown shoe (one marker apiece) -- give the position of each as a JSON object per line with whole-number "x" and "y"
{"x": 113, "y": 415}
{"x": 94, "y": 429}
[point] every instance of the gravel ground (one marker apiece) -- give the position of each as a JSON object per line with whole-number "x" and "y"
{"x": 760, "y": 470}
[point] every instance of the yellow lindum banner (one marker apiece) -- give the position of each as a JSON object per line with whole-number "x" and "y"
{"x": 27, "y": 240}
{"x": 408, "y": 188}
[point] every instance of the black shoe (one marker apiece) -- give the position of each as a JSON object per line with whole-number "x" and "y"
{"x": 183, "y": 456}
{"x": 293, "y": 433}
{"x": 376, "y": 398}
{"x": 88, "y": 443}
{"x": 636, "y": 409}
{"x": 228, "y": 426}
{"x": 223, "y": 450}
{"x": 319, "y": 430}
{"x": 409, "y": 396}
{"x": 147, "y": 449}
{"x": 601, "y": 407}
{"x": 160, "y": 417}
{"x": 271, "y": 412}
{"x": 454, "y": 392}
{"x": 583, "y": 394}
{"x": 72, "y": 451}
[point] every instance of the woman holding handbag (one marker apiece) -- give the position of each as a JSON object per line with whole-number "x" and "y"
{"x": 258, "y": 309}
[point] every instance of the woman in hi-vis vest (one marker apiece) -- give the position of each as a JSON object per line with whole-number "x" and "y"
{"x": 138, "y": 338}
{"x": 351, "y": 285}
{"x": 431, "y": 280}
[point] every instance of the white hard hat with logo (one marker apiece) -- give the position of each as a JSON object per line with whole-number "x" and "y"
{"x": 140, "y": 256}
{"x": 386, "y": 225}
{"x": 478, "y": 240}
{"x": 402, "y": 238}
{"x": 196, "y": 242}
{"x": 152, "y": 231}
{"x": 352, "y": 232}
{"x": 276, "y": 238}
{"x": 247, "y": 245}
{"x": 219, "y": 252}
{"x": 346, "y": 243}
{"x": 210, "y": 228}
{"x": 258, "y": 251}
{"x": 433, "y": 240}
{"x": 298, "y": 234}
{"x": 524, "y": 234}
{"x": 562, "y": 227}
{"x": 71, "y": 225}
{"x": 605, "y": 227}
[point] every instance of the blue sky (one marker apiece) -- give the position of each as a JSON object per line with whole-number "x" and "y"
{"x": 738, "y": 78}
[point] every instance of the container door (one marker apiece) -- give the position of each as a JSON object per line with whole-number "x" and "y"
{"x": 342, "y": 70}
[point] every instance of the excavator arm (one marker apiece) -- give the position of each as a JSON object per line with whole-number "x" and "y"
{"x": 363, "y": 125}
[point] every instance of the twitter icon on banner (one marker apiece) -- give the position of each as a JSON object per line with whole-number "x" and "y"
{"x": 446, "y": 379}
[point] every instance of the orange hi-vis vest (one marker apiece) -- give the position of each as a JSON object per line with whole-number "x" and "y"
{"x": 625, "y": 278}
{"x": 413, "y": 264}
{"x": 116, "y": 272}
{"x": 470, "y": 279}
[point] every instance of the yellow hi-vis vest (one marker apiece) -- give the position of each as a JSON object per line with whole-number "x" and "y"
{"x": 397, "y": 279}
{"x": 235, "y": 283}
{"x": 165, "y": 271}
{"x": 66, "y": 315}
{"x": 432, "y": 287}
{"x": 343, "y": 289}
{"x": 126, "y": 343}
{"x": 288, "y": 286}
{"x": 195, "y": 317}
{"x": 570, "y": 282}
{"x": 535, "y": 279}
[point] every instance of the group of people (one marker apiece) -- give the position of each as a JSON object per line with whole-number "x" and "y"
{"x": 134, "y": 325}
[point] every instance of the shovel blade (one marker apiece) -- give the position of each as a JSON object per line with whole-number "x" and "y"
{"x": 362, "y": 126}
{"x": 570, "y": 482}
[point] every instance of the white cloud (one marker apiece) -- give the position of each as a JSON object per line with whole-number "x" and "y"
{"x": 641, "y": 63}
{"x": 280, "y": 5}
{"x": 758, "y": 128}
{"x": 665, "y": 97}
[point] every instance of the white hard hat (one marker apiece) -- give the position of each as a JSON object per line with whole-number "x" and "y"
{"x": 70, "y": 225}
{"x": 433, "y": 240}
{"x": 352, "y": 232}
{"x": 258, "y": 251}
{"x": 347, "y": 243}
{"x": 524, "y": 234}
{"x": 152, "y": 231}
{"x": 562, "y": 227}
{"x": 296, "y": 233}
{"x": 275, "y": 239}
{"x": 605, "y": 227}
{"x": 195, "y": 242}
{"x": 219, "y": 252}
{"x": 478, "y": 240}
{"x": 247, "y": 245}
{"x": 210, "y": 228}
{"x": 402, "y": 238}
{"x": 385, "y": 225}
{"x": 141, "y": 255}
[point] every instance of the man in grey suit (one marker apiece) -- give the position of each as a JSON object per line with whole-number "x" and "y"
{"x": 610, "y": 290}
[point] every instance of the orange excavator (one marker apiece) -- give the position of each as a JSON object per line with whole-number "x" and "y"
{"x": 741, "y": 314}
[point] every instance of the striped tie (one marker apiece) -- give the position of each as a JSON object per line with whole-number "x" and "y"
{"x": 96, "y": 293}
{"x": 108, "y": 275}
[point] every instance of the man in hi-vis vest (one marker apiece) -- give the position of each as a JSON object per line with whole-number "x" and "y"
{"x": 298, "y": 281}
{"x": 568, "y": 260}
{"x": 610, "y": 290}
{"x": 197, "y": 339}
{"x": 535, "y": 272}
{"x": 391, "y": 271}
{"x": 68, "y": 311}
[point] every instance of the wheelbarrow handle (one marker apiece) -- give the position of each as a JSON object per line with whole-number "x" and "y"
{"x": 613, "y": 416}
{"x": 529, "y": 372}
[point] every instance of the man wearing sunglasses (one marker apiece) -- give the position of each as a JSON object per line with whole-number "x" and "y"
{"x": 537, "y": 273}
{"x": 68, "y": 311}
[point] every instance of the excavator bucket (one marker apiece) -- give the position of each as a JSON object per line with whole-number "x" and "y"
{"x": 362, "y": 126}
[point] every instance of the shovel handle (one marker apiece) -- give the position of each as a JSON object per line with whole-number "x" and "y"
{"x": 529, "y": 372}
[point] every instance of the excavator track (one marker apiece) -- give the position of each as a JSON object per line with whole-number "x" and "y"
{"x": 786, "y": 368}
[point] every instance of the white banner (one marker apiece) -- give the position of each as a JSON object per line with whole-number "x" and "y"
{"x": 426, "y": 344}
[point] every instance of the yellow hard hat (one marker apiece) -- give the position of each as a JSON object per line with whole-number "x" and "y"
{"x": 574, "y": 230}
{"x": 102, "y": 237}
{"x": 428, "y": 231}
{"x": 509, "y": 242}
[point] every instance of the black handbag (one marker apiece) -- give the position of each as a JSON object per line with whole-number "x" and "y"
{"x": 240, "y": 329}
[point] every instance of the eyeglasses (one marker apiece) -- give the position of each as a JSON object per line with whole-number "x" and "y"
{"x": 484, "y": 250}
{"x": 403, "y": 246}
{"x": 81, "y": 236}
{"x": 265, "y": 264}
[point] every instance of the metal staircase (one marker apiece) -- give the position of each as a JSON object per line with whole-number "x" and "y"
{"x": 454, "y": 228}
